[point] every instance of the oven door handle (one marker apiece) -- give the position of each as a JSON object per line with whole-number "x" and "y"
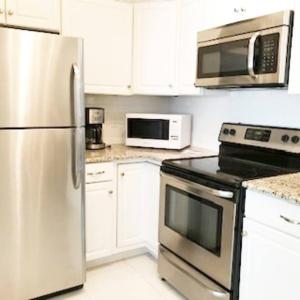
{"x": 222, "y": 194}
{"x": 197, "y": 188}
{"x": 251, "y": 54}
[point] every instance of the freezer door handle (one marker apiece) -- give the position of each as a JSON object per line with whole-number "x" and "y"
{"x": 78, "y": 95}
{"x": 78, "y": 160}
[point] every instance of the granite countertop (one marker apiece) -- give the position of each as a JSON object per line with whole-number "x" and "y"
{"x": 122, "y": 152}
{"x": 286, "y": 187}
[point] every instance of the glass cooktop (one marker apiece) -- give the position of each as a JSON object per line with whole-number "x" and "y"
{"x": 225, "y": 169}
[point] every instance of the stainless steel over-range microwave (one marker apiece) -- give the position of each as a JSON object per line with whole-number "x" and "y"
{"x": 250, "y": 53}
{"x": 168, "y": 131}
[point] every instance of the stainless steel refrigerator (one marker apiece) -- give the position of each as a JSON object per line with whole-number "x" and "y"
{"x": 41, "y": 164}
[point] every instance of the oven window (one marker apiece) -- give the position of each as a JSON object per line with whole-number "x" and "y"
{"x": 148, "y": 129}
{"x": 195, "y": 218}
{"x": 227, "y": 59}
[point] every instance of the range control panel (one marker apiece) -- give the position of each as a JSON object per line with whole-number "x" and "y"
{"x": 278, "y": 138}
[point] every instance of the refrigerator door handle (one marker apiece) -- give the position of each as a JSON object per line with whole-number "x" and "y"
{"x": 78, "y": 157}
{"x": 77, "y": 95}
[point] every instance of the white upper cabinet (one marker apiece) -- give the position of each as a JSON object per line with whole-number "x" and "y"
{"x": 220, "y": 12}
{"x": 106, "y": 27}
{"x": 155, "y": 47}
{"x": 192, "y": 16}
{"x": 254, "y": 8}
{"x": 33, "y": 14}
{"x": 2, "y": 12}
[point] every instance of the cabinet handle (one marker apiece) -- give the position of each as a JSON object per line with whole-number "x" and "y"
{"x": 236, "y": 10}
{"x": 110, "y": 192}
{"x": 97, "y": 173}
{"x": 10, "y": 12}
{"x": 289, "y": 220}
{"x": 243, "y": 9}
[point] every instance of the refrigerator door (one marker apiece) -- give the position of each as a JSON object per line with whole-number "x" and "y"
{"x": 41, "y": 212}
{"x": 40, "y": 80}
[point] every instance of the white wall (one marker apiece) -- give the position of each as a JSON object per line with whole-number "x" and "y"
{"x": 117, "y": 106}
{"x": 265, "y": 107}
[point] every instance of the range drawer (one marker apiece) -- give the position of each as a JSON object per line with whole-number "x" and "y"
{"x": 274, "y": 212}
{"x": 99, "y": 172}
{"x": 191, "y": 283}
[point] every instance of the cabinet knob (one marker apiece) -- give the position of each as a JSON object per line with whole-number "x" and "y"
{"x": 123, "y": 174}
{"x": 244, "y": 233}
{"x": 110, "y": 192}
{"x": 243, "y": 9}
{"x": 170, "y": 86}
{"x": 129, "y": 86}
{"x": 10, "y": 12}
{"x": 236, "y": 10}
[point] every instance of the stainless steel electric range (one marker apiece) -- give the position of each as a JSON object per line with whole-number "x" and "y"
{"x": 202, "y": 207}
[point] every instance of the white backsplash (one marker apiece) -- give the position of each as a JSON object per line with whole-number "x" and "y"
{"x": 265, "y": 107}
{"x": 117, "y": 106}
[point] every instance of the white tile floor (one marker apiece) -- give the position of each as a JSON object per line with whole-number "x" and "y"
{"x": 132, "y": 279}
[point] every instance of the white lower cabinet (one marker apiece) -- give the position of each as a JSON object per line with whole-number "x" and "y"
{"x": 100, "y": 220}
{"x": 131, "y": 191}
{"x": 270, "y": 266}
{"x": 122, "y": 208}
{"x": 151, "y": 208}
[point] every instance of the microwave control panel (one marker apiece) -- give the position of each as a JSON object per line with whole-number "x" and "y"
{"x": 267, "y": 54}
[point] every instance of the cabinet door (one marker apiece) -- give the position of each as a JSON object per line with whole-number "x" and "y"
{"x": 34, "y": 14}
{"x": 131, "y": 194}
{"x": 151, "y": 207}
{"x": 192, "y": 15}
{"x": 100, "y": 220}
{"x": 155, "y": 45}
{"x": 2, "y": 11}
{"x": 220, "y": 12}
{"x": 270, "y": 268}
{"x": 106, "y": 27}
{"x": 255, "y": 8}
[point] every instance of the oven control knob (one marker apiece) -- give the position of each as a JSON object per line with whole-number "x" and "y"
{"x": 285, "y": 138}
{"x": 226, "y": 131}
{"x": 295, "y": 139}
{"x": 232, "y": 132}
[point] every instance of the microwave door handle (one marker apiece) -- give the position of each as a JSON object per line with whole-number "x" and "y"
{"x": 251, "y": 55}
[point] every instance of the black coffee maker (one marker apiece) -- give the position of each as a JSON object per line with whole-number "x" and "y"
{"x": 94, "y": 117}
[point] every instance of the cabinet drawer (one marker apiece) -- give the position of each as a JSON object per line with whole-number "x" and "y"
{"x": 273, "y": 212}
{"x": 99, "y": 172}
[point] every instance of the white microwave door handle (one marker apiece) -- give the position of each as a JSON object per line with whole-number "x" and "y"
{"x": 251, "y": 54}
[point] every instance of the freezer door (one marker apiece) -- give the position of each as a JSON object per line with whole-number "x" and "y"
{"x": 41, "y": 212}
{"x": 40, "y": 80}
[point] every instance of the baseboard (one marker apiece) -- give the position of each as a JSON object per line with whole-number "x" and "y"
{"x": 116, "y": 257}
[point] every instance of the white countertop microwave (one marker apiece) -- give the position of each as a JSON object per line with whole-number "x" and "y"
{"x": 167, "y": 131}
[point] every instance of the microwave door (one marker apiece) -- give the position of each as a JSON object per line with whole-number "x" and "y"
{"x": 252, "y": 59}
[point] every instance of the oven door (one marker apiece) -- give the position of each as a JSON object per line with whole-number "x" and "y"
{"x": 197, "y": 224}
{"x": 251, "y": 59}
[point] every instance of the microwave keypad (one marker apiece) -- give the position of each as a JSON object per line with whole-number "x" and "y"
{"x": 268, "y": 52}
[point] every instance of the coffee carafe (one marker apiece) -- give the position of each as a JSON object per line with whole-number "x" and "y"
{"x": 94, "y": 117}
